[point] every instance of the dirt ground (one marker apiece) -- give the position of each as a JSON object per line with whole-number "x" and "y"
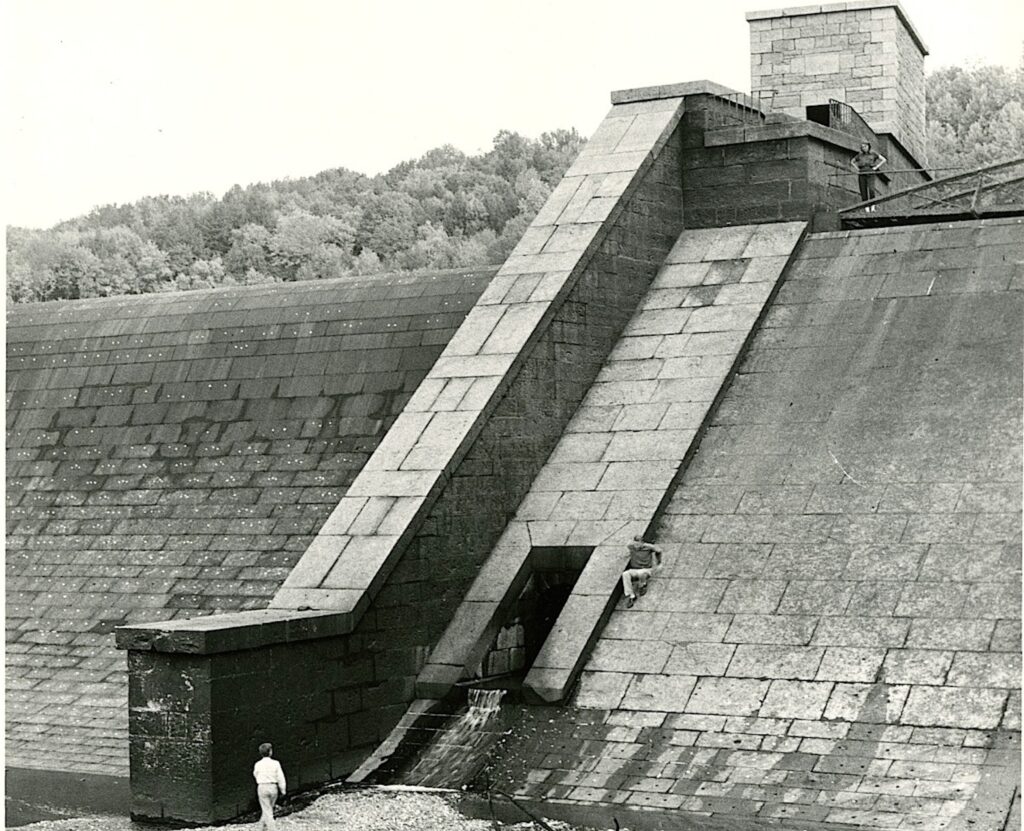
{"x": 345, "y": 811}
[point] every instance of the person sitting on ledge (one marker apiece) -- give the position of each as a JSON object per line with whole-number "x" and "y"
{"x": 866, "y": 162}
{"x": 644, "y": 560}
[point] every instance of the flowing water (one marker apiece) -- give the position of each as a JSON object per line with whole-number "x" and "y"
{"x": 458, "y": 750}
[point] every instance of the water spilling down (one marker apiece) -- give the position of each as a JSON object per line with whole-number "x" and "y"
{"x": 457, "y": 749}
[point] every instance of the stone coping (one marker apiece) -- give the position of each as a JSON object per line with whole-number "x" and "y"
{"x": 852, "y": 5}
{"x": 703, "y": 87}
{"x": 217, "y": 299}
{"x": 786, "y": 130}
{"x": 233, "y": 631}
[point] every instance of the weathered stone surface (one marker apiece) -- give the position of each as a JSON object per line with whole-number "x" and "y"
{"x": 949, "y": 707}
{"x": 204, "y": 440}
{"x": 853, "y": 640}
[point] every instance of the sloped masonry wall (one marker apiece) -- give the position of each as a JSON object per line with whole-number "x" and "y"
{"x": 835, "y": 638}
{"x": 387, "y": 568}
{"x": 172, "y": 456}
{"x": 612, "y": 469}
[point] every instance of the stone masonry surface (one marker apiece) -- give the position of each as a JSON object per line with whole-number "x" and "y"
{"x": 474, "y": 370}
{"x": 172, "y": 456}
{"x": 835, "y": 638}
{"x": 866, "y": 54}
{"x": 396, "y": 556}
{"x": 613, "y": 466}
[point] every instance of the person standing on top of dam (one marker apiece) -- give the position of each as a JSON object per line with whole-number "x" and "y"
{"x": 270, "y": 785}
{"x": 644, "y": 560}
{"x": 866, "y": 163}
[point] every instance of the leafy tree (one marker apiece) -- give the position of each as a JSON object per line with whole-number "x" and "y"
{"x": 388, "y": 223}
{"x": 304, "y": 242}
{"x": 445, "y": 209}
{"x": 250, "y": 250}
{"x": 975, "y": 116}
{"x": 48, "y": 265}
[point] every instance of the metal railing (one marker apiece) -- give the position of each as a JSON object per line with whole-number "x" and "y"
{"x": 843, "y": 117}
{"x": 957, "y": 193}
{"x": 738, "y": 109}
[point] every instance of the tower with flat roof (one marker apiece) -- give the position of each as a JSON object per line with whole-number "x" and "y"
{"x": 866, "y": 54}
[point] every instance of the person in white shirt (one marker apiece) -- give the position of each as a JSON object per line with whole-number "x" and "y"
{"x": 270, "y": 785}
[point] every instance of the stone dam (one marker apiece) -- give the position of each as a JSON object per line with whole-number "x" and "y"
{"x": 315, "y": 513}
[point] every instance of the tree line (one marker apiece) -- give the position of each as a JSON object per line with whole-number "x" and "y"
{"x": 444, "y": 210}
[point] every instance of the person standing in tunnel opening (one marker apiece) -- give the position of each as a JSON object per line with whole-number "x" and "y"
{"x": 644, "y": 560}
{"x": 866, "y": 163}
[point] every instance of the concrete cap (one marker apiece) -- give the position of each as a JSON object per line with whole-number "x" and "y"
{"x": 852, "y": 5}
{"x": 631, "y": 96}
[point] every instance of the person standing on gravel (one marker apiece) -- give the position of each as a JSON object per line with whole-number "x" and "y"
{"x": 270, "y": 785}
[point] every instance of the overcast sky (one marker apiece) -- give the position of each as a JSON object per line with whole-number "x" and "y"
{"x": 111, "y": 100}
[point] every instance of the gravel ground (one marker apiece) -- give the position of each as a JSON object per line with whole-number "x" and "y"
{"x": 346, "y": 811}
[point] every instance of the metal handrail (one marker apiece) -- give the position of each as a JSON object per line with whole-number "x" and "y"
{"x": 899, "y": 170}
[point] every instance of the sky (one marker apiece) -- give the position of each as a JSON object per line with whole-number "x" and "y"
{"x": 106, "y": 101}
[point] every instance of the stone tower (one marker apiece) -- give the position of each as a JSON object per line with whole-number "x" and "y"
{"x": 865, "y": 53}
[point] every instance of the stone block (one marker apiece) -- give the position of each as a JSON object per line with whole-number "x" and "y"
{"x": 644, "y": 131}
{"x": 519, "y": 323}
{"x": 620, "y": 476}
{"x": 318, "y": 560}
{"x": 697, "y": 659}
{"x": 916, "y": 666}
{"x": 841, "y": 663}
{"x": 361, "y": 564}
{"x": 796, "y": 699}
{"x": 608, "y": 134}
{"x": 775, "y": 662}
{"x": 607, "y": 163}
{"x": 601, "y": 690}
{"x": 581, "y": 447}
{"x": 944, "y": 633}
{"x": 994, "y": 600}
{"x": 684, "y": 594}
{"x": 472, "y": 366}
{"x": 878, "y": 703}
{"x": 640, "y": 416}
{"x": 952, "y": 707}
{"x": 861, "y": 631}
{"x": 662, "y": 693}
{"x": 795, "y": 630}
{"x": 727, "y": 696}
{"x": 576, "y": 476}
{"x": 648, "y": 445}
{"x": 548, "y": 684}
{"x": 476, "y": 328}
{"x": 394, "y": 483}
{"x": 629, "y": 656}
{"x": 985, "y": 670}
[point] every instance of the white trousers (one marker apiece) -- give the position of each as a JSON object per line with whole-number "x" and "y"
{"x": 640, "y": 574}
{"x": 268, "y": 799}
